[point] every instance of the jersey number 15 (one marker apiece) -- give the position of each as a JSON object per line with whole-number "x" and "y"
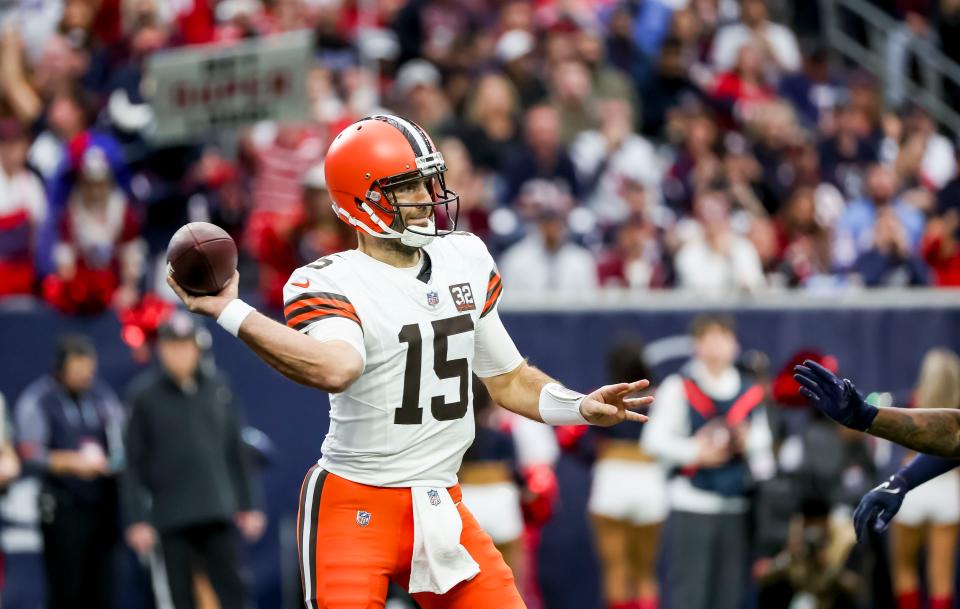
{"x": 410, "y": 412}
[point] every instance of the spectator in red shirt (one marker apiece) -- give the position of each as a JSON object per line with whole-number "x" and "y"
{"x": 745, "y": 85}
{"x": 316, "y": 232}
{"x": 939, "y": 248}
{"x": 100, "y": 255}
{"x": 280, "y": 154}
{"x": 639, "y": 257}
{"x": 23, "y": 208}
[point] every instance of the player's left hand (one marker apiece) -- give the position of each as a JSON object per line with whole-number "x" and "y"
{"x": 610, "y": 405}
{"x": 837, "y": 398}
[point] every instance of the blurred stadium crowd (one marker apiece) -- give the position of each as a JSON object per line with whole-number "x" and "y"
{"x": 655, "y": 144}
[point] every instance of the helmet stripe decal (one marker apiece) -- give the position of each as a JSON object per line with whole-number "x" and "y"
{"x": 417, "y": 142}
{"x": 419, "y": 133}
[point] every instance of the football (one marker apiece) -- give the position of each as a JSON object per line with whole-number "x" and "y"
{"x": 202, "y": 258}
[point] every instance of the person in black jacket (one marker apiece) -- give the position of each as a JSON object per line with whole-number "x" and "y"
{"x": 188, "y": 479}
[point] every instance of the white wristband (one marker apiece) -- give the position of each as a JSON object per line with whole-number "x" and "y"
{"x": 233, "y": 315}
{"x": 561, "y": 406}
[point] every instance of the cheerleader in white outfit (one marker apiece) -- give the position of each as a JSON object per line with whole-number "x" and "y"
{"x": 628, "y": 502}
{"x": 930, "y": 513}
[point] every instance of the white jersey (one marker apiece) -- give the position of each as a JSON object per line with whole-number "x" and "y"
{"x": 422, "y": 332}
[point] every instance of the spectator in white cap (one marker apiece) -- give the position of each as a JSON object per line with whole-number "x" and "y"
{"x": 546, "y": 261}
{"x": 514, "y": 52}
{"x": 417, "y": 89}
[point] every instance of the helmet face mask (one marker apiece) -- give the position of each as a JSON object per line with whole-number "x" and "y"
{"x": 385, "y": 196}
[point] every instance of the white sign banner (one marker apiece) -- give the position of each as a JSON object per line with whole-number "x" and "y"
{"x": 206, "y": 89}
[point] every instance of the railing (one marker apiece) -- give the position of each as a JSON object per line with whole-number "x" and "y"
{"x": 936, "y": 68}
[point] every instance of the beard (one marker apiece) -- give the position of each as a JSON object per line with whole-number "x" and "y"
{"x": 394, "y": 245}
{"x": 397, "y": 245}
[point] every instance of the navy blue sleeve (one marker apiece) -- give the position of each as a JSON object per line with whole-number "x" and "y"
{"x": 924, "y": 468}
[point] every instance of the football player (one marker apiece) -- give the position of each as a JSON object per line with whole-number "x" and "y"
{"x": 935, "y": 431}
{"x": 393, "y": 331}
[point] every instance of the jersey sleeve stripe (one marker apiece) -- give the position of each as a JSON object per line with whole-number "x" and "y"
{"x": 318, "y": 302}
{"x": 492, "y": 298}
{"x": 321, "y": 307}
{"x": 323, "y": 295}
{"x": 494, "y": 280}
{"x": 305, "y": 319}
{"x": 304, "y": 309}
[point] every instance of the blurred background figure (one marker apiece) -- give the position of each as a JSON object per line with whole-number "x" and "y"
{"x": 816, "y": 565}
{"x": 855, "y": 228}
{"x": 613, "y": 150}
{"x": 9, "y": 464}
{"x": 489, "y": 476}
{"x": 23, "y": 210}
{"x": 541, "y": 155}
{"x": 489, "y": 127}
{"x": 777, "y": 44}
{"x": 716, "y": 260}
{"x": 547, "y": 260}
{"x": 69, "y": 433}
{"x": 709, "y": 426}
{"x": 314, "y": 233}
{"x": 100, "y": 254}
{"x": 890, "y": 262}
{"x": 930, "y": 514}
{"x": 628, "y": 499}
{"x": 189, "y": 484}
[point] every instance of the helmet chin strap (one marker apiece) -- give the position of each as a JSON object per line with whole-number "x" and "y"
{"x": 417, "y": 239}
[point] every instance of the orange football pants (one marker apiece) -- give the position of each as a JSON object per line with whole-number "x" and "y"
{"x": 354, "y": 539}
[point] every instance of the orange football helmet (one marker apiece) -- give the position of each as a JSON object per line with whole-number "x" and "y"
{"x": 370, "y": 158}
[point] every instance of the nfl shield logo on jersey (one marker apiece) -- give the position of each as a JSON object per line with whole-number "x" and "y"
{"x": 434, "y": 497}
{"x": 433, "y": 299}
{"x": 363, "y": 518}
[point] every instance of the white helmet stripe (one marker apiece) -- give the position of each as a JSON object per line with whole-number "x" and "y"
{"x": 418, "y": 136}
{"x": 413, "y": 134}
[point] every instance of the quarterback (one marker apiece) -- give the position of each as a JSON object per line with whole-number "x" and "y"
{"x": 395, "y": 330}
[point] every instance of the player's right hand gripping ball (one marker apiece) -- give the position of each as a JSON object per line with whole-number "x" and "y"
{"x": 202, "y": 258}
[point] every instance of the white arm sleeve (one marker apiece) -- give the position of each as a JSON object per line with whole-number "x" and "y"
{"x": 494, "y": 352}
{"x": 338, "y": 328}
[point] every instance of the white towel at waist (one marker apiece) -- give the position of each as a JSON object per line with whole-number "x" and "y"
{"x": 439, "y": 561}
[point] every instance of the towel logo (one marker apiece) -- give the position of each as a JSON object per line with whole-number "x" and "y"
{"x": 363, "y": 518}
{"x": 434, "y": 497}
{"x": 433, "y": 299}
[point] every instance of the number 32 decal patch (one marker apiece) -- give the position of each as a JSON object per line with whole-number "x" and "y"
{"x": 463, "y": 297}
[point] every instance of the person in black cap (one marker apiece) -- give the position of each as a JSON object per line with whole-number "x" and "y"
{"x": 69, "y": 433}
{"x": 189, "y": 480}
